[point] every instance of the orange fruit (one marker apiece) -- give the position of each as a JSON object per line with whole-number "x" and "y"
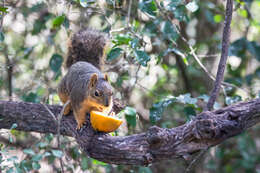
{"x": 102, "y": 122}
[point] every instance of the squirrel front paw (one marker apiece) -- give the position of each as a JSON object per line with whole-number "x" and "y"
{"x": 80, "y": 125}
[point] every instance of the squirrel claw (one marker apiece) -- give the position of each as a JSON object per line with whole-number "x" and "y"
{"x": 79, "y": 129}
{"x": 81, "y": 126}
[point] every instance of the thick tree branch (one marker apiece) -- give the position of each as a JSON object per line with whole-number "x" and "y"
{"x": 224, "y": 56}
{"x": 206, "y": 130}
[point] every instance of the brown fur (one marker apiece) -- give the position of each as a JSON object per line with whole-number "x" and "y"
{"x": 84, "y": 84}
{"x": 87, "y": 44}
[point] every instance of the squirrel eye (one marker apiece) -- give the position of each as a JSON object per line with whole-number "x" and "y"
{"x": 96, "y": 94}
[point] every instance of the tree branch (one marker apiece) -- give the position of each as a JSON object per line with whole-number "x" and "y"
{"x": 224, "y": 56}
{"x": 206, "y": 130}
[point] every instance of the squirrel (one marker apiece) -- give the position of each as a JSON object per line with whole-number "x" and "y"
{"x": 84, "y": 85}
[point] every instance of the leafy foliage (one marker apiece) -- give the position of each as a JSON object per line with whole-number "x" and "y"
{"x": 151, "y": 66}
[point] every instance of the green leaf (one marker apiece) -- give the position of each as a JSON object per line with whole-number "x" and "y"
{"x": 186, "y": 99}
{"x": 144, "y": 170}
{"x": 232, "y": 100}
{"x": 58, "y": 21}
{"x": 169, "y": 31}
{"x": 14, "y": 125}
{"x": 254, "y": 49}
{"x": 1, "y": 82}
{"x": 218, "y": 18}
{"x": 85, "y": 3}
{"x": 37, "y": 157}
{"x": 26, "y": 165}
{"x": 189, "y": 112}
{"x": 96, "y": 162}
{"x": 37, "y": 7}
{"x": 13, "y": 158}
{"x": 142, "y": 57}
{"x": 10, "y": 138}
{"x": 158, "y": 108}
{"x": 66, "y": 23}
{"x": 122, "y": 40}
{"x": 238, "y": 47}
{"x": 84, "y": 163}
{"x": 74, "y": 153}
{"x": 57, "y": 75}
{"x": 148, "y": 6}
{"x": 29, "y": 151}
{"x": 180, "y": 13}
{"x": 121, "y": 78}
{"x": 42, "y": 144}
{"x": 36, "y": 165}
{"x": 10, "y": 170}
{"x": 40, "y": 23}
{"x": 2, "y": 37}
{"x": 173, "y": 4}
{"x": 46, "y": 154}
{"x": 17, "y": 168}
{"x": 3, "y": 9}
{"x": 178, "y": 52}
{"x": 31, "y": 97}
{"x": 134, "y": 43}
{"x": 114, "y": 53}
{"x": 56, "y": 62}
{"x": 192, "y": 6}
{"x": 257, "y": 72}
{"x": 130, "y": 115}
{"x": 204, "y": 97}
{"x": 57, "y": 153}
{"x": 49, "y": 137}
{"x": 242, "y": 12}
{"x": 38, "y": 26}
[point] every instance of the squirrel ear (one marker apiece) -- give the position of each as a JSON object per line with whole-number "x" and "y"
{"x": 93, "y": 80}
{"x": 106, "y": 77}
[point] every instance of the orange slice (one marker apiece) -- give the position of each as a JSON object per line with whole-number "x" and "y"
{"x": 102, "y": 122}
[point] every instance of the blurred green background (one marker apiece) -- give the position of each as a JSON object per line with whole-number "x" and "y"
{"x": 153, "y": 65}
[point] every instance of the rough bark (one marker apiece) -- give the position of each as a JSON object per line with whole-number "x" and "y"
{"x": 224, "y": 56}
{"x": 206, "y": 130}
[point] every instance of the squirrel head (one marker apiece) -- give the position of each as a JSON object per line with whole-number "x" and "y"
{"x": 100, "y": 91}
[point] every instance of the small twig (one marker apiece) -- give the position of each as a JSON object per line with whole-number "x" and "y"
{"x": 208, "y": 56}
{"x": 136, "y": 73}
{"x": 9, "y": 69}
{"x": 58, "y": 134}
{"x": 148, "y": 90}
{"x": 2, "y": 17}
{"x": 50, "y": 112}
{"x": 249, "y": 17}
{"x": 224, "y": 56}
{"x": 8, "y": 63}
{"x": 129, "y": 13}
{"x": 184, "y": 75}
{"x": 202, "y": 152}
{"x": 58, "y": 121}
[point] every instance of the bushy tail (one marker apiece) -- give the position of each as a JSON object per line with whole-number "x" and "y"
{"x": 87, "y": 45}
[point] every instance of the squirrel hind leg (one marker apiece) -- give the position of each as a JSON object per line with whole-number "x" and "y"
{"x": 80, "y": 116}
{"x": 64, "y": 98}
{"x": 67, "y": 109}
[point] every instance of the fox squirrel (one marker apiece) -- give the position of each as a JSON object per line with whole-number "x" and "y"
{"x": 85, "y": 85}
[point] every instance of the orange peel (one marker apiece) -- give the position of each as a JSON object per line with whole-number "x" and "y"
{"x": 102, "y": 122}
